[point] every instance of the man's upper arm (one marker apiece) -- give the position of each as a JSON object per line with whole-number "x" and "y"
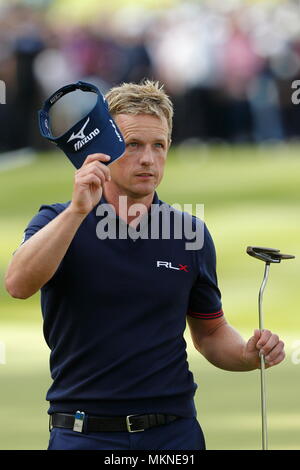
{"x": 205, "y": 297}
{"x": 201, "y": 329}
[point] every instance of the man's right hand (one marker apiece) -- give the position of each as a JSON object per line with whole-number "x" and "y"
{"x": 88, "y": 183}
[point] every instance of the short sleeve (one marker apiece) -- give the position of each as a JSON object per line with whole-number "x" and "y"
{"x": 205, "y": 298}
{"x": 43, "y": 217}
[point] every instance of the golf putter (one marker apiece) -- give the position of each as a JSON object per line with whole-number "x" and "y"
{"x": 268, "y": 255}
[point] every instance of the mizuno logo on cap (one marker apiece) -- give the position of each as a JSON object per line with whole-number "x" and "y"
{"x": 81, "y": 135}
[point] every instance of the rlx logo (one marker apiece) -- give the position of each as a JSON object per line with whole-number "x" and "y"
{"x": 168, "y": 264}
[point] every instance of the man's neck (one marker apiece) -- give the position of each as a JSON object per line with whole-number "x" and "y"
{"x": 129, "y": 207}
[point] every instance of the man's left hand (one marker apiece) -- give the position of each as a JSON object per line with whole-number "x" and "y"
{"x": 267, "y": 343}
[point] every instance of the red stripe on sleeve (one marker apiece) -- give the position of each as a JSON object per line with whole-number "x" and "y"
{"x": 205, "y": 316}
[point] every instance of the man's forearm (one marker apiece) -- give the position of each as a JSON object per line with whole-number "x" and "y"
{"x": 224, "y": 348}
{"x": 35, "y": 262}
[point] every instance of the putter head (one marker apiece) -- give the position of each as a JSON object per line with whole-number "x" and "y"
{"x": 268, "y": 255}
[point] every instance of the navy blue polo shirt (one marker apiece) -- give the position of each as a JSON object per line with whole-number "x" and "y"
{"x": 114, "y": 317}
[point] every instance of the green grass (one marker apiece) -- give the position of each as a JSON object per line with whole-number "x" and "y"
{"x": 251, "y": 196}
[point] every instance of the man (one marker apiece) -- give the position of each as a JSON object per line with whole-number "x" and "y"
{"x": 115, "y": 309}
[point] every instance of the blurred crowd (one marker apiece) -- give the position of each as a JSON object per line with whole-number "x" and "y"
{"x": 228, "y": 71}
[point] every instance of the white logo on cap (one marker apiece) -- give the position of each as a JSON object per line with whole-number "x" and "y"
{"x": 83, "y": 139}
{"x": 80, "y": 134}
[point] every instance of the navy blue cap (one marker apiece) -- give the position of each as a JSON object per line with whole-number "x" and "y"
{"x": 95, "y": 133}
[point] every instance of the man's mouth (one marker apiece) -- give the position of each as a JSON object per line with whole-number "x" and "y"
{"x": 145, "y": 175}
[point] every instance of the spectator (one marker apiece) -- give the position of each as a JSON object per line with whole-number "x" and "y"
{"x": 229, "y": 71}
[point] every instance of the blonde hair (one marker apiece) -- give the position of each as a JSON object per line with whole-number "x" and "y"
{"x": 147, "y": 97}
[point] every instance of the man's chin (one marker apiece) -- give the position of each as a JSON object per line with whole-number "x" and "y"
{"x": 140, "y": 192}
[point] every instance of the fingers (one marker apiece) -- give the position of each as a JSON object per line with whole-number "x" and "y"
{"x": 101, "y": 172}
{"x": 276, "y": 356}
{"x": 90, "y": 179}
{"x": 101, "y": 157}
{"x": 92, "y": 165}
{"x": 252, "y": 343}
{"x": 271, "y": 347}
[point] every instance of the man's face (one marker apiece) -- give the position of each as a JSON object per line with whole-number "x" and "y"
{"x": 139, "y": 171}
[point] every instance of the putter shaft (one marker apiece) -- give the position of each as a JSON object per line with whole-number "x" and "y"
{"x": 268, "y": 255}
{"x": 262, "y": 364}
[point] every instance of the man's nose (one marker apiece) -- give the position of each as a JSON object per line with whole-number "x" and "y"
{"x": 147, "y": 156}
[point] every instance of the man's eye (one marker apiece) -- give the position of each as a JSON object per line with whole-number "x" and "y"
{"x": 132, "y": 144}
{"x": 159, "y": 145}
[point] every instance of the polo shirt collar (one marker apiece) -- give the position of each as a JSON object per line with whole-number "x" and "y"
{"x": 145, "y": 220}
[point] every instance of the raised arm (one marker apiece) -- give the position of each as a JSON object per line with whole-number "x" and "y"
{"x": 37, "y": 260}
